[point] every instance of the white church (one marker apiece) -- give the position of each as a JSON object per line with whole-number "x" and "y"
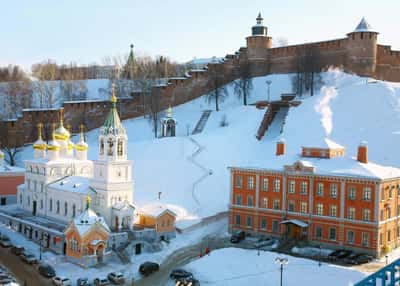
{"x": 60, "y": 178}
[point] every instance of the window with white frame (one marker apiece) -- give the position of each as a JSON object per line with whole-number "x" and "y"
{"x": 264, "y": 203}
{"x": 238, "y": 181}
{"x": 292, "y": 187}
{"x": 365, "y": 239}
{"x": 318, "y": 232}
{"x": 291, "y": 205}
{"x": 303, "y": 207}
{"x": 276, "y": 204}
{"x": 350, "y": 237}
{"x": 249, "y": 221}
{"x": 264, "y": 184}
{"x": 367, "y": 194}
{"x": 366, "y": 215}
{"x": 320, "y": 189}
{"x": 333, "y": 211}
{"x": 237, "y": 219}
{"x": 332, "y": 233}
{"x": 239, "y": 200}
{"x": 250, "y": 182}
{"x": 351, "y": 213}
{"x": 250, "y": 201}
{"x": 277, "y": 185}
{"x": 304, "y": 188}
{"x": 263, "y": 224}
{"x": 352, "y": 193}
{"x": 320, "y": 209}
{"x": 333, "y": 188}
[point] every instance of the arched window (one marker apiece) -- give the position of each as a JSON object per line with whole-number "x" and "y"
{"x": 110, "y": 143}
{"x": 101, "y": 146}
{"x": 29, "y": 201}
{"x": 65, "y": 208}
{"x": 20, "y": 199}
{"x": 73, "y": 210}
{"x": 58, "y": 207}
{"x": 51, "y": 205}
{"x": 120, "y": 148}
{"x": 41, "y": 204}
{"x": 37, "y": 169}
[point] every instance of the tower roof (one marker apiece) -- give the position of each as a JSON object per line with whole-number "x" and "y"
{"x": 364, "y": 26}
{"x": 112, "y": 124}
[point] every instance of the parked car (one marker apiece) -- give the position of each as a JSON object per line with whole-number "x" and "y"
{"x": 148, "y": 267}
{"x": 82, "y": 282}
{"x": 187, "y": 281}
{"x": 46, "y": 270}
{"x": 339, "y": 254}
{"x": 180, "y": 273}
{"x": 357, "y": 259}
{"x": 28, "y": 258}
{"x": 116, "y": 277}
{"x": 265, "y": 241}
{"x": 5, "y": 241}
{"x": 101, "y": 282}
{"x": 238, "y": 236}
{"x": 17, "y": 249}
{"x": 59, "y": 281}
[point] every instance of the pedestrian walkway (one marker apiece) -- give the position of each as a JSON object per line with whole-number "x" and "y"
{"x": 202, "y": 122}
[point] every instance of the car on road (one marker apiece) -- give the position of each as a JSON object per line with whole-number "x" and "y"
{"x": 5, "y": 241}
{"x": 148, "y": 267}
{"x": 190, "y": 281}
{"x": 61, "y": 281}
{"x": 46, "y": 270}
{"x": 28, "y": 258}
{"x": 264, "y": 241}
{"x": 116, "y": 278}
{"x": 238, "y": 236}
{"x": 17, "y": 249}
{"x": 82, "y": 282}
{"x": 101, "y": 282}
{"x": 339, "y": 254}
{"x": 356, "y": 259}
{"x": 180, "y": 273}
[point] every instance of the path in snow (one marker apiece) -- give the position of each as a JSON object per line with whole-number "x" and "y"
{"x": 207, "y": 172}
{"x": 202, "y": 122}
{"x": 276, "y": 127}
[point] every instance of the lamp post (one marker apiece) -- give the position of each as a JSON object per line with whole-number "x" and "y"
{"x": 268, "y": 82}
{"x": 281, "y": 261}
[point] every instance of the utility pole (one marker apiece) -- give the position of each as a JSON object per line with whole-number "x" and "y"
{"x": 268, "y": 82}
{"x": 281, "y": 261}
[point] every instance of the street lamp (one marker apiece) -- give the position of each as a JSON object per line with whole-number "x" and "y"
{"x": 268, "y": 82}
{"x": 281, "y": 261}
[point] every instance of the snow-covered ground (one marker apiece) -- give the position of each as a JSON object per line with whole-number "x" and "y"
{"x": 237, "y": 267}
{"x": 348, "y": 109}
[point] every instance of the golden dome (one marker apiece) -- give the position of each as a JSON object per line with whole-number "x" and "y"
{"x": 61, "y": 133}
{"x": 1, "y": 155}
{"x": 53, "y": 145}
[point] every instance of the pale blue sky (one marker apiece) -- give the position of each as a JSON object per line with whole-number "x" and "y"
{"x": 87, "y": 30}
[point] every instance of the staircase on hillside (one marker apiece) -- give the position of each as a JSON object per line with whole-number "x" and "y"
{"x": 202, "y": 122}
{"x": 122, "y": 253}
{"x": 267, "y": 120}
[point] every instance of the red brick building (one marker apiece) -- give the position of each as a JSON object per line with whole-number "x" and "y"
{"x": 320, "y": 196}
{"x": 10, "y": 178}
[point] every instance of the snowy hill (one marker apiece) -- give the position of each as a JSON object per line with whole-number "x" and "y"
{"x": 347, "y": 110}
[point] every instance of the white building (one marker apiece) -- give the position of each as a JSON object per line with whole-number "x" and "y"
{"x": 59, "y": 179}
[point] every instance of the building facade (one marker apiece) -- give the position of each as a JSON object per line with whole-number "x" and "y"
{"x": 10, "y": 178}
{"x": 311, "y": 198}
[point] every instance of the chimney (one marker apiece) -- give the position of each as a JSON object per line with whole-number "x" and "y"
{"x": 280, "y": 147}
{"x": 362, "y": 154}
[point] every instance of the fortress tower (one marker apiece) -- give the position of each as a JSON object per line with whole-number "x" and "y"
{"x": 361, "y": 49}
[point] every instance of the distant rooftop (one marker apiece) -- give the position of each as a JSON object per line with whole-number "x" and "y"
{"x": 363, "y": 26}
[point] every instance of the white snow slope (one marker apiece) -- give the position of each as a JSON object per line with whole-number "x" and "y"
{"x": 347, "y": 109}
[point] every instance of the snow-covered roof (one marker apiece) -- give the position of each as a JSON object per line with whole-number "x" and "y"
{"x": 11, "y": 169}
{"x": 87, "y": 219}
{"x": 363, "y": 26}
{"x": 73, "y": 184}
{"x": 155, "y": 210}
{"x": 324, "y": 143}
{"x": 296, "y": 222}
{"x": 123, "y": 204}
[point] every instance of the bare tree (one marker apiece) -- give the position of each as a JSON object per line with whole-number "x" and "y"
{"x": 73, "y": 84}
{"x": 46, "y": 85}
{"x": 216, "y": 83}
{"x": 10, "y": 149}
{"x": 243, "y": 85}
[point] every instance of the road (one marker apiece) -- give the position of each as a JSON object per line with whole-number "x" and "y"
{"x": 20, "y": 270}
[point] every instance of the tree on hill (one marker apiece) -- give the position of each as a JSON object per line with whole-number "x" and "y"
{"x": 243, "y": 85}
{"x": 216, "y": 83}
{"x": 46, "y": 84}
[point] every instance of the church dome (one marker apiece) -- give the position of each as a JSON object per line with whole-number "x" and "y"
{"x": 53, "y": 146}
{"x": 40, "y": 145}
{"x": 1, "y": 154}
{"x": 61, "y": 133}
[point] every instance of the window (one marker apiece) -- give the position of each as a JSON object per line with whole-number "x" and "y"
{"x": 239, "y": 181}
{"x": 119, "y": 147}
{"x": 73, "y": 210}
{"x": 249, "y": 201}
{"x": 366, "y": 215}
{"x": 276, "y": 205}
{"x": 320, "y": 209}
{"x": 303, "y": 207}
{"x": 275, "y": 226}
{"x": 250, "y": 183}
{"x": 382, "y": 216}
{"x": 332, "y": 233}
{"x": 101, "y": 146}
{"x": 65, "y": 208}
{"x": 291, "y": 205}
{"x": 263, "y": 223}
{"x": 264, "y": 203}
{"x": 303, "y": 188}
{"x": 318, "y": 232}
{"x": 367, "y": 194}
{"x": 41, "y": 187}
{"x": 292, "y": 187}
{"x": 365, "y": 239}
{"x": 58, "y": 207}
{"x": 41, "y": 204}
{"x": 320, "y": 189}
{"x": 352, "y": 193}
{"x": 389, "y": 237}
{"x": 264, "y": 185}
{"x": 249, "y": 222}
{"x": 237, "y": 219}
{"x": 239, "y": 200}
{"x": 277, "y": 185}
{"x": 34, "y": 186}
{"x": 350, "y": 237}
{"x": 29, "y": 201}
{"x": 20, "y": 199}
{"x": 351, "y": 213}
{"x": 333, "y": 211}
{"x": 29, "y": 184}
{"x": 381, "y": 238}
{"x": 51, "y": 205}
{"x": 323, "y": 154}
{"x": 390, "y": 193}
{"x": 389, "y": 212}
